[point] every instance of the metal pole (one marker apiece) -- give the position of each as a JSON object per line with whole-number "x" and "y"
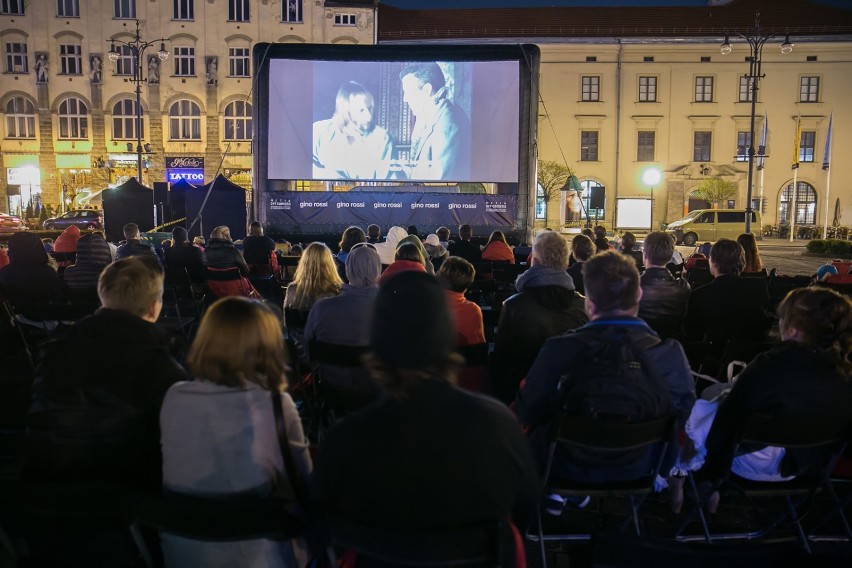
{"x": 138, "y": 112}
{"x": 754, "y": 76}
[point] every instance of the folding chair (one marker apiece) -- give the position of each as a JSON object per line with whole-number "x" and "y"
{"x": 647, "y": 439}
{"x": 213, "y": 519}
{"x": 478, "y": 545}
{"x": 821, "y": 437}
{"x": 476, "y": 374}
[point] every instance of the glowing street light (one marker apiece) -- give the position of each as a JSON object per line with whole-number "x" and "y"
{"x": 652, "y": 177}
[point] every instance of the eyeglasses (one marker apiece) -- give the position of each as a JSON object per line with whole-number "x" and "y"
{"x": 359, "y": 245}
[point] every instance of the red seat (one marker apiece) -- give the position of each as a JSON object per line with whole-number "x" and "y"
{"x": 223, "y": 282}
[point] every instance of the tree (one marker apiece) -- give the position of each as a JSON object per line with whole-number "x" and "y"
{"x": 715, "y": 190}
{"x": 552, "y": 177}
{"x": 43, "y": 216}
{"x": 29, "y": 211}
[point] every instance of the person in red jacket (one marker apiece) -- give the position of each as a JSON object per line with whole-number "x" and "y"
{"x": 67, "y": 241}
{"x": 457, "y": 274}
{"x": 498, "y": 249}
{"x": 408, "y": 257}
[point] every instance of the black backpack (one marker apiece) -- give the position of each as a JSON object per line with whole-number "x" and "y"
{"x": 616, "y": 381}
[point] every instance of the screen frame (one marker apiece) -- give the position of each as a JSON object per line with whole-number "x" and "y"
{"x": 527, "y": 56}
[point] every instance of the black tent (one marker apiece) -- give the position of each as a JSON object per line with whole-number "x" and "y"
{"x": 225, "y": 206}
{"x": 130, "y": 202}
{"x": 177, "y": 200}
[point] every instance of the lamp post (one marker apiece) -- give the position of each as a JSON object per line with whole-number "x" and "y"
{"x": 137, "y": 49}
{"x": 652, "y": 177}
{"x": 755, "y": 39}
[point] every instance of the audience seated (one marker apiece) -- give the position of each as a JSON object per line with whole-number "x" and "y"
{"x": 259, "y": 251}
{"x": 92, "y": 257}
{"x": 67, "y": 241}
{"x": 443, "y": 234}
{"x": 628, "y": 243}
{"x": 219, "y": 434}
{"x": 427, "y": 455}
{"x": 408, "y": 257}
{"x": 183, "y": 254}
{"x": 29, "y": 276}
{"x": 351, "y": 236}
{"x": 729, "y": 307}
{"x": 133, "y": 245}
{"x": 464, "y": 248}
{"x": 4, "y": 256}
{"x": 582, "y": 249}
{"x": 457, "y": 275}
{"x": 387, "y": 249}
{"x": 546, "y": 305}
{"x": 374, "y": 234}
{"x": 612, "y": 302}
{"x": 753, "y": 262}
{"x": 601, "y": 242}
{"x": 415, "y": 240}
{"x": 497, "y": 249}
{"x": 221, "y": 252}
{"x": 436, "y": 252}
{"x": 664, "y": 297}
{"x": 316, "y": 277}
{"x": 344, "y": 319}
{"x": 806, "y": 377}
{"x": 97, "y": 394}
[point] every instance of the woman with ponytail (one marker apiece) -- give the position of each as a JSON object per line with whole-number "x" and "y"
{"x": 806, "y": 377}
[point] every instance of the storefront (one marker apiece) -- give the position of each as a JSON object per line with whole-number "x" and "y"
{"x": 189, "y": 168}
{"x": 74, "y": 173}
{"x": 23, "y": 179}
{"x": 122, "y": 167}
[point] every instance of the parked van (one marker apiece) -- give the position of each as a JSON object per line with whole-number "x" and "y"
{"x": 710, "y": 225}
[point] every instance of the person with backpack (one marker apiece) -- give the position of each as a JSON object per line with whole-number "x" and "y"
{"x": 615, "y": 368}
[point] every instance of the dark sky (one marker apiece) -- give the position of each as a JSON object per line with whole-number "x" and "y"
{"x": 425, "y": 4}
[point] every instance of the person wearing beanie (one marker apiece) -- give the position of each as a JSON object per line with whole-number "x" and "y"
{"x": 182, "y": 254}
{"x": 426, "y": 455}
{"x": 93, "y": 256}
{"x": 435, "y": 251}
{"x": 408, "y": 257}
{"x": 67, "y": 241}
{"x": 345, "y": 319}
{"x": 545, "y": 305}
{"x": 825, "y": 271}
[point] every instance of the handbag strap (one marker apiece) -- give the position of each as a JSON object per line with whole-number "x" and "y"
{"x": 296, "y": 481}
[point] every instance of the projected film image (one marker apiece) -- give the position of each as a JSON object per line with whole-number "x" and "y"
{"x": 451, "y": 121}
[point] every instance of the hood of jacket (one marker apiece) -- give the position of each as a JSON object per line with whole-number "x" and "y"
{"x": 537, "y": 276}
{"x": 26, "y": 249}
{"x": 93, "y": 249}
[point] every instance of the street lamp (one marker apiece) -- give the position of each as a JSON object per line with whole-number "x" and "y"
{"x": 755, "y": 39}
{"x": 137, "y": 50}
{"x": 651, "y": 177}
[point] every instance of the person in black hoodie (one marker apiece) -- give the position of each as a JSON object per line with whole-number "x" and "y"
{"x": 182, "y": 253}
{"x": 221, "y": 252}
{"x": 546, "y": 305}
{"x": 29, "y": 277}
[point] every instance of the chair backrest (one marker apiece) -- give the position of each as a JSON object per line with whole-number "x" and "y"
{"x": 589, "y": 434}
{"x": 789, "y": 433}
{"x": 839, "y": 279}
{"x": 477, "y": 545}
{"x": 336, "y": 354}
{"x": 222, "y": 274}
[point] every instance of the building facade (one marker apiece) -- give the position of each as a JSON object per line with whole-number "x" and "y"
{"x": 69, "y": 121}
{"x": 624, "y": 90}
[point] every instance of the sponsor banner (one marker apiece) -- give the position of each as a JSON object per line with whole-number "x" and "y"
{"x": 385, "y": 209}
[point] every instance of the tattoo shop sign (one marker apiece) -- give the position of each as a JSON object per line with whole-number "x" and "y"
{"x": 182, "y": 167}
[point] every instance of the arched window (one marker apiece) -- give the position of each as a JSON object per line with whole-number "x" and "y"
{"x": 20, "y": 118}
{"x": 805, "y": 204}
{"x": 124, "y": 120}
{"x": 577, "y": 205}
{"x": 238, "y": 125}
{"x": 73, "y": 119}
{"x": 185, "y": 121}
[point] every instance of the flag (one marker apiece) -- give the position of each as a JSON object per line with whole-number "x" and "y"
{"x": 796, "y": 141}
{"x": 826, "y": 159}
{"x": 761, "y": 149}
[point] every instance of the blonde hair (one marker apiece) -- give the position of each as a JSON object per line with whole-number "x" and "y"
{"x": 239, "y": 343}
{"x": 221, "y": 232}
{"x": 316, "y": 277}
{"x": 131, "y": 284}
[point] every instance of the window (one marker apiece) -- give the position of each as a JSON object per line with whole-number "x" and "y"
{"x": 16, "y": 58}
{"x": 701, "y": 146}
{"x": 589, "y": 187}
{"x": 124, "y": 9}
{"x": 185, "y": 121}
{"x": 12, "y": 7}
{"x": 805, "y": 204}
{"x": 124, "y": 120}
{"x": 238, "y": 125}
{"x": 743, "y": 144}
{"x": 125, "y": 64}
{"x": 704, "y": 89}
{"x": 589, "y": 146}
{"x": 185, "y": 61}
{"x": 238, "y": 10}
{"x": 591, "y": 89}
{"x": 184, "y": 9}
{"x": 745, "y": 90}
{"x": 238, "y": 62}
{"x": 540, "y": 203}
{"x": 20, "y": 118}
{"x": 73, "y": 119}
{"x": 344, "y": 19}
{"x": 809, "y": 90}
{"x": 647, "y": 89}
{"x": 68, "y": 8}
{"x": 758, "y": 204}
{"x": 645, "y": 146}
{"x": 806, "y": 146}
{"x": 70, "y": 60}
{"x": 292, "y": 11}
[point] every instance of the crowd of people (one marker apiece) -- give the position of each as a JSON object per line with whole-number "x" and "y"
{"x": 424, "y": 454}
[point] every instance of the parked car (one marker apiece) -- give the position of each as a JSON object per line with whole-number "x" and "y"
{"x": 11, "y": 223}
{"x": 710, "y": 225}
{"x": 83, "y": 218}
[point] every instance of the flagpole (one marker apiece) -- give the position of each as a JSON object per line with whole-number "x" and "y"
{"x": 796, "y": 149}
{"x": 827, "y": 193}
{"x": 826, "y": 165}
